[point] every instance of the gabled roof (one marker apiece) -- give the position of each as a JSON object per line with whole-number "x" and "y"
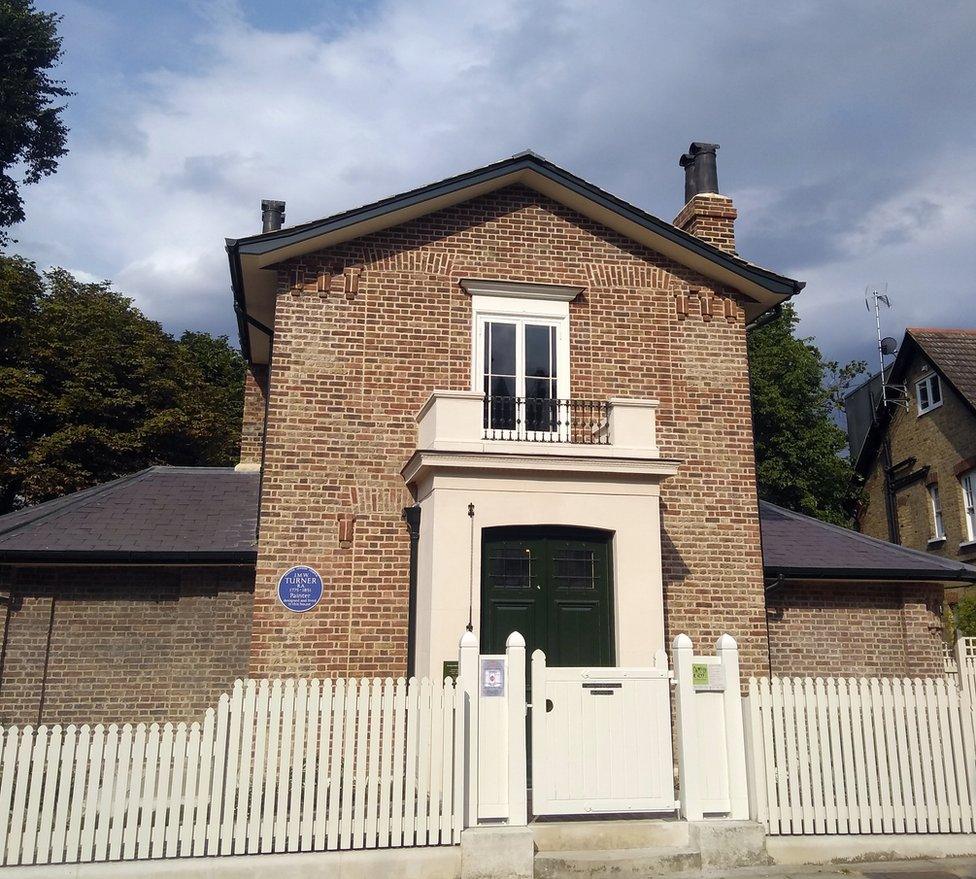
{"x": 800, "y": 547}
{"x": 254, "y": 288}
{"x": 952, "y": 353}
{"x": 162, "y": 515}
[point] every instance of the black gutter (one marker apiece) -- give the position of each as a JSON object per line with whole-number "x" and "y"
{"x": 900, "y": 574}
{"x": 412, "y": 516}
{"x": 157, "y": 557}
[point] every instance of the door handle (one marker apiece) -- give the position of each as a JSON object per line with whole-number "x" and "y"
{"x": 549, "y": 705}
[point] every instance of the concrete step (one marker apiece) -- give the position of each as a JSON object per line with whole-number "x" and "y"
{"x": 617, "y": 863}
{"x": 554, "y": 836}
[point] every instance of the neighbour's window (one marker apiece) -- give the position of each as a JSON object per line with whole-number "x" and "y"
{"x": 938, "y": 528}
{"x": 928, "y": 393}
{"x": 969, "y": 502}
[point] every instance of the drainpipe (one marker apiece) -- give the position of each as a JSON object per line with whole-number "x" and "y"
{"x": 412, "y": 517}
{"x": 891, "y": 510}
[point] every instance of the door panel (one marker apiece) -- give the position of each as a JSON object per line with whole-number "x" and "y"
{"x": 553, "y": 586}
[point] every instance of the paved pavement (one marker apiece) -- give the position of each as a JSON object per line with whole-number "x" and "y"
{"x": 941, "y": 868}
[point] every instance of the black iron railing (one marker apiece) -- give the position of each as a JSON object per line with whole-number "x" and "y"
{"x": 585, "y": 422}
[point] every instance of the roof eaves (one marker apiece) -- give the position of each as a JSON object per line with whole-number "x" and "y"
{"x": 270, "y": 241}
{"x": 106, "y": 557}
{"x": 877, "y": 574}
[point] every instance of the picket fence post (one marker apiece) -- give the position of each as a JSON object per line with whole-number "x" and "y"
{"x": 728, "y": 654}
{"x": 517, "y": 795}
{"x": 689, "y": 764}
{"x": 468, "y": 684}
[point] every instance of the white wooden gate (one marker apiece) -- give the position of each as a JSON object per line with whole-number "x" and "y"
{"x": 601, "y": 739}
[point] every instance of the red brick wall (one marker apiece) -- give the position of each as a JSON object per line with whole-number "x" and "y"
{"x": 710, "y": 217}
{"x": 365, "y": 331}
{"x": 252, "y": 426}
{"x": 858, "y": 629}
{"x": 102, "y": 644}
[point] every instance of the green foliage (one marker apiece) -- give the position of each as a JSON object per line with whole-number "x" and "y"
{"x": 795, "y": 393}
{"x": 966, "y": 614}
{"x": 32, "y": 135}
{"x": 90, "y": 389}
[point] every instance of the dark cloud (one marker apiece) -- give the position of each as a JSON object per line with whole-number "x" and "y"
{"x": 848, "y": 137}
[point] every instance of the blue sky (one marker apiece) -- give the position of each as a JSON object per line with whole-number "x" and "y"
{"x": 848, "y": 132}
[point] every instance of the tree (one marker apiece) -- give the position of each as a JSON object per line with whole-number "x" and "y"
{"x": 32, "y": 134}
{"x": 795, "y": 395}
{"x": 965, "y": 618}
{"x": 91, "y": 389}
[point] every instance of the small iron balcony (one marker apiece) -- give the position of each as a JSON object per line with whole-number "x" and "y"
{"x": 531, "y": 419}
{"x": 467, "y": 422}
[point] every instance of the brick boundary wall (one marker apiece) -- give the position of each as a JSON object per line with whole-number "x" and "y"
{"x": 121, "y": 644}
{"x": 858, "y": 629}
{"x": 366, "y": 330}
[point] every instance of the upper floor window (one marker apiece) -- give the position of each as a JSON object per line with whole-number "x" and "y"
{"x": 969, "y": 502}
{"x": 938, "y": 526}
{"x": 520, "y": 354}
{"x": 928, "y": 393}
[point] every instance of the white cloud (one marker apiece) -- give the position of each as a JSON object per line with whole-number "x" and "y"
{"x": 826, "y": 132}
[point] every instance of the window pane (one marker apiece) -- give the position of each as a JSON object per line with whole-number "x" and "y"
{"x": 510, "y": 567}
{"x": 537, "y": 351}
{"x": 538, "y": 389}
{"x": 552, "y": 351}
{"x": 936, "y": 390}
{"x": 502, "y": 386}
{"x": 923, "y": 396}
{"x": 502, "y": 349}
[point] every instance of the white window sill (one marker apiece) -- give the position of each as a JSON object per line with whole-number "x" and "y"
{"x": 936, "y": 540}
{"x": 968, "y": 544}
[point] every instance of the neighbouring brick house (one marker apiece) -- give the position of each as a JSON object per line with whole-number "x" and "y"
{"x": 918, "y": 454}
{"x": 508, "y": 399}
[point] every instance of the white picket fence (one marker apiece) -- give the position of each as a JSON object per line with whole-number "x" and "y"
{"x": 854, "y": 756}
{"x": 293, "y": 765}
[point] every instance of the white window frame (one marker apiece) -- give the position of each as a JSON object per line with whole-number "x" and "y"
{"x": 967, "y": 482}
{"x": 520, "y": 304}
{"x": 938, "y": 523}
{"x": 929, "y": 380}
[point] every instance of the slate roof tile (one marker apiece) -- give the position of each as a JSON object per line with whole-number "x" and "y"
{"x": 204, "y": 513}
{"x": 800, "y": 546}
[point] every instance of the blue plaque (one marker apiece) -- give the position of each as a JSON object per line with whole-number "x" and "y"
{"x": 300, "y": 588}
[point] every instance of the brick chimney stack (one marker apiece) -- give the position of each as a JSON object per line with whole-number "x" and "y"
{"x": 707, "y": 214}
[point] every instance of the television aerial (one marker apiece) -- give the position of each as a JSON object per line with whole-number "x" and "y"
{"x": 887, "y": 345}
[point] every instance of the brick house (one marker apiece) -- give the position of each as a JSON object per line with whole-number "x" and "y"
{"x": 918, "y": 459}
{"x": 508, "y": 400}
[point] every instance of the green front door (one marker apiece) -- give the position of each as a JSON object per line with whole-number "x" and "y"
{"x": 552, "y": 585}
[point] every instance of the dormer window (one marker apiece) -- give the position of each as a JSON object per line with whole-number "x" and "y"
{"x": 928, "y": 393}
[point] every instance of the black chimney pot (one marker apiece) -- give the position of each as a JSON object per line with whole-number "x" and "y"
{"x": 701, "y": 173}
{"x": 272, "y": 215}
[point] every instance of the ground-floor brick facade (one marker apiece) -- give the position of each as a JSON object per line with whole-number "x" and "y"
{"x": 88, "y": 644}
{"x": 855, "y": 629}
{"x": 160, "y": 643}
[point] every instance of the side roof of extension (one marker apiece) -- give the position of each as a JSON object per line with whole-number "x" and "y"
{"x": 250, "y": 255}
{"x": 803, "y": 548}
{"x": 162, "y": 515}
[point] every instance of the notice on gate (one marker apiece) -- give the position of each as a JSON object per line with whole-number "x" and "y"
{"x": 492, "y": 677}
{"x": 707, "y": 678}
